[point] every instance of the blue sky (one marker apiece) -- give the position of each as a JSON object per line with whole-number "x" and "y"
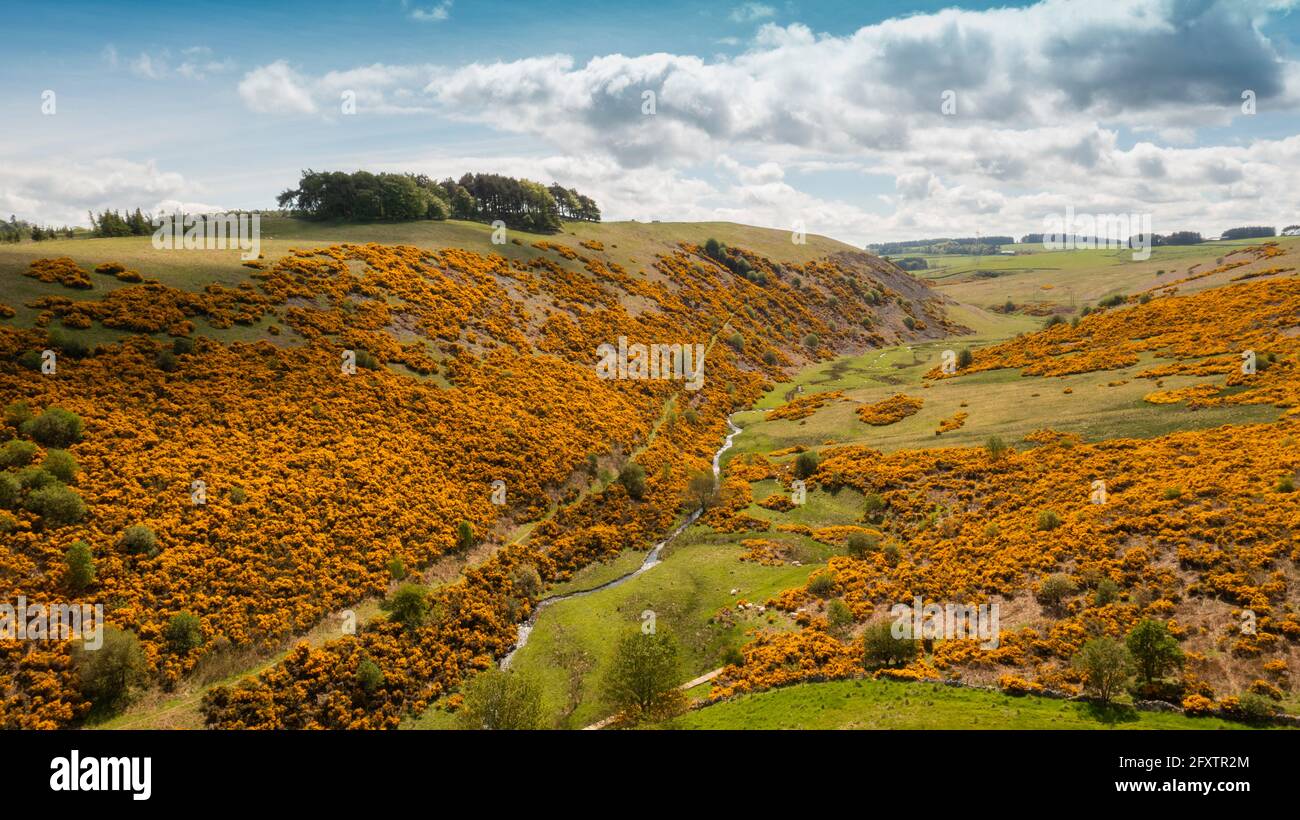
{"x": 824, "y": 114}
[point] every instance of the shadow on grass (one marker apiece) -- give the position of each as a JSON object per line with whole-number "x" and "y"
{"x": 1109, "y": 713}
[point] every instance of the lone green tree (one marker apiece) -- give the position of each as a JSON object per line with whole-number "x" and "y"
{"x": 184, "y": 632}
{"x": 408, "y": 606}
{"x": 501, "y": 699}
{"x": 701, "y": 491}
{"x": 111, "y": 674}
{"x": 642, "y": 683}
{"x": 1106, "y": 665}
{"x": 632, "y": 477}
{"x": 1154, "y": 649}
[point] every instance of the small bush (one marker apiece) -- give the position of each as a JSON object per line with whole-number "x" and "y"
{"x": 237, "y": 495}
{"x": 996, "y": 448}
{"x": 10, "y": 491}
{"x": 862, "y": 544}
{"x": 1048, "y": 520}
{"x": 1107, "y": 592}
{"x": 34, "y": 478}
{"x": 806, "y": 464}
{"x": 409, "y": 606}
{"x": 873, "y": 508}
{"x": 17, "y": 453}
{"x": 769, "y": 358}
{"x": 138, "y": 539}
{"x": 369, "y": 676}
{"x": 166, "y": 361}
{"x": 61, "y": 465}
{"x": 812, "y": 341}
{"x": 55, "y": 427}
{"x": 182, "y": 346}
{"x": 632, "y": 477}
{"x": 821, "y": 583}
{"x": 367, "y": 360}
{"x": 881, "y": 649}
{"x": 16, "y": 413}
{"x": 1285, "y": 485}
{"x": 184, "y": 633}
{"x": 838, "y": 615}
{"x": 464, "y": 535}
{"x": 71, "y": 346}
{"x": 56, "y": 505}
{"x": 111, "y": 674}
{"x": 78, "y": 566}
{"x": 526, "y": 581}
{"x": 736, "y": 341}
{"x": 1054, "y": 589}
{"x": 965, "y": 358}
{"x": 396, "y": 568}
{"x": 1254, "y": 708}
{"x": 502, "y": 700}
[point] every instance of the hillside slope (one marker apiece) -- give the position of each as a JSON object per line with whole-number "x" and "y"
{"x": 322, "y": 486}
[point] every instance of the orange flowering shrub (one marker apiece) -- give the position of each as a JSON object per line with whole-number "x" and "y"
{"x": 955, "y": 422}
{"x": 762, "y": 551}
{"x": 968, "y": 530}
{"x": 1013, "y": 685}
{"x": 804, "y": 406}
{"x": 62, "y": 270}
{"x": 779, "y": 659}
{"x": 891, "y": 410}
{"x": 1205, "y": 334}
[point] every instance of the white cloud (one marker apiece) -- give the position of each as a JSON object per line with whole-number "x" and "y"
{"x": 432, "y": 14}
{"x": 193, "y": 63}
{"x": 61, "y": 193}
{"x": 276, "y": 89}
{"x": 1043, "y": 93}
{"x": 750, "y": 12}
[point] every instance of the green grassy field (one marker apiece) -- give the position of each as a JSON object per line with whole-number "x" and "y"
{"x": 570, "y": 649}
{"x": 1077, "y": 278}
{"x": 884, "y": 704}
{"x": 1000, "y": 402}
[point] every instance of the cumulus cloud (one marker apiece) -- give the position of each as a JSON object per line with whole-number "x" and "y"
{"x": 276, "y": 88}
{"x": 1042, "y": 94}
{"x": 61, "y": 193}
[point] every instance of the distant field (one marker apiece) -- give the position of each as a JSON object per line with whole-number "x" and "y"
{"x": 1082, "y": 277}
{"x": 998, "y": 402}
{"x": 884, "y": 704}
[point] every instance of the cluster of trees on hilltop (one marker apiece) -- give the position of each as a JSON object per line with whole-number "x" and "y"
{"x": 112, "y": 223}
{"x": 1157, "y": 240}
{"x": 972, "y": 245}
{"x": 1249, "y": 232}
{"x": 15, "y": 230}
{"x": 365, "y": 197}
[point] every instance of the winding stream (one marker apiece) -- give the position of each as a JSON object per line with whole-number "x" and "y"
{"x": 651, "y": 560}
